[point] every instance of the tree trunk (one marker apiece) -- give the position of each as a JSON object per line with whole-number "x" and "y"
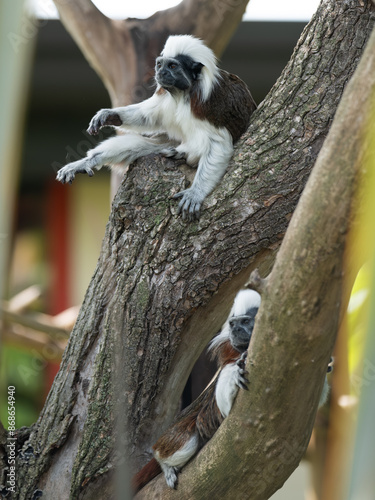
{"x": 163, "y": 287}
{"x": 265, "y": 436}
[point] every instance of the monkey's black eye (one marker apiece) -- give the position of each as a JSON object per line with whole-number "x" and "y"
{"x": 158, "y": 65}
{"x": 172, "y": 66}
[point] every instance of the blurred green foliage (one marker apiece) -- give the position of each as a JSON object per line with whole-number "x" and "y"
{"x": 23, "y": 370}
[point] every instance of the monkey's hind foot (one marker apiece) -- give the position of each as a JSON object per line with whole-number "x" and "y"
{"x": 170, "y": 474}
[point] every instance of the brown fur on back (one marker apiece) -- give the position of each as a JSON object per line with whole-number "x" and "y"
{"x": 230, "y": 104}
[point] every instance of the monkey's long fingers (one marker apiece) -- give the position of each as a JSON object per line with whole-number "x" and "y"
{"x": 194, "y": 212}
{"x": 242, "y": 360}
{"x": 103, "y": 118}
{"x": 243, "y": 356}
{"x": 188, "y": 207}
{"x": 242, "y": 370}
{"x": 242, "y": 382}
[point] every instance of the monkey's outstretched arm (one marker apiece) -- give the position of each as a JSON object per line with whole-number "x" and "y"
{"x": 123, "y": 149}
{"x": 141, "y": 117}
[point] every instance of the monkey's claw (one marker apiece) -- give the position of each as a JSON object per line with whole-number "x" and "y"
{"x": 103, "y": 118}
{"x": 189, "y": 205}
{"x": 242, "y": 360}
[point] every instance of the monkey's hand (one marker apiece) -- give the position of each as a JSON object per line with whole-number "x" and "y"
{"x": 242, "y": 380}
{"x": 189, "y": 205}
{"x": 104, "y": 118}
{"x": 68, "y": 173}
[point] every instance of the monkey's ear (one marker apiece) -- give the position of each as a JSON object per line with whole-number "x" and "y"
{"x": 197, "y": 68}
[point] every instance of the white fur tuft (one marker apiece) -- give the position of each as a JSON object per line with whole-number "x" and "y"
{"x": 194, "y": 47}
{"x": 245, "y": 299}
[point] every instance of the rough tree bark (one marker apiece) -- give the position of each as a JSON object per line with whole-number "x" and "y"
{"x": 163, "y": 287}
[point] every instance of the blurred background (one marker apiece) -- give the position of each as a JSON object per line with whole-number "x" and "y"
{"x": 50, "y": 241}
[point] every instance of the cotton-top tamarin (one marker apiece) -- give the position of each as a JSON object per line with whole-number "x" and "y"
{"x": 200, "y": 110}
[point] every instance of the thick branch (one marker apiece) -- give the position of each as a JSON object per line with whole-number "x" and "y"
{"x": 38, "y": 322}
{"x": 215, "y": 24}
{"x": 94, "y": 35}
{"x": 266, "y": 435}
{"x": 123, "y": 52}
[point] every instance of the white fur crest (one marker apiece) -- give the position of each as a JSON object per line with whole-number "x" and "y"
{"x": 245, "y": 300}
{"x": 195, "y": 48}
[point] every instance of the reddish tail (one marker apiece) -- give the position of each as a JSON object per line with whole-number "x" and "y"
{"x": 144, "y": 476}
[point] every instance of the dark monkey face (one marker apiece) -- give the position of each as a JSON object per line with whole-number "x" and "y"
{"x": 176, "y": 72}
{"x": 241, "y": 328}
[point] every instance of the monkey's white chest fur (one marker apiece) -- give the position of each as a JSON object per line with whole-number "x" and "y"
{"x": 196, "y": 136}
{"x": 227, "y": 388}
